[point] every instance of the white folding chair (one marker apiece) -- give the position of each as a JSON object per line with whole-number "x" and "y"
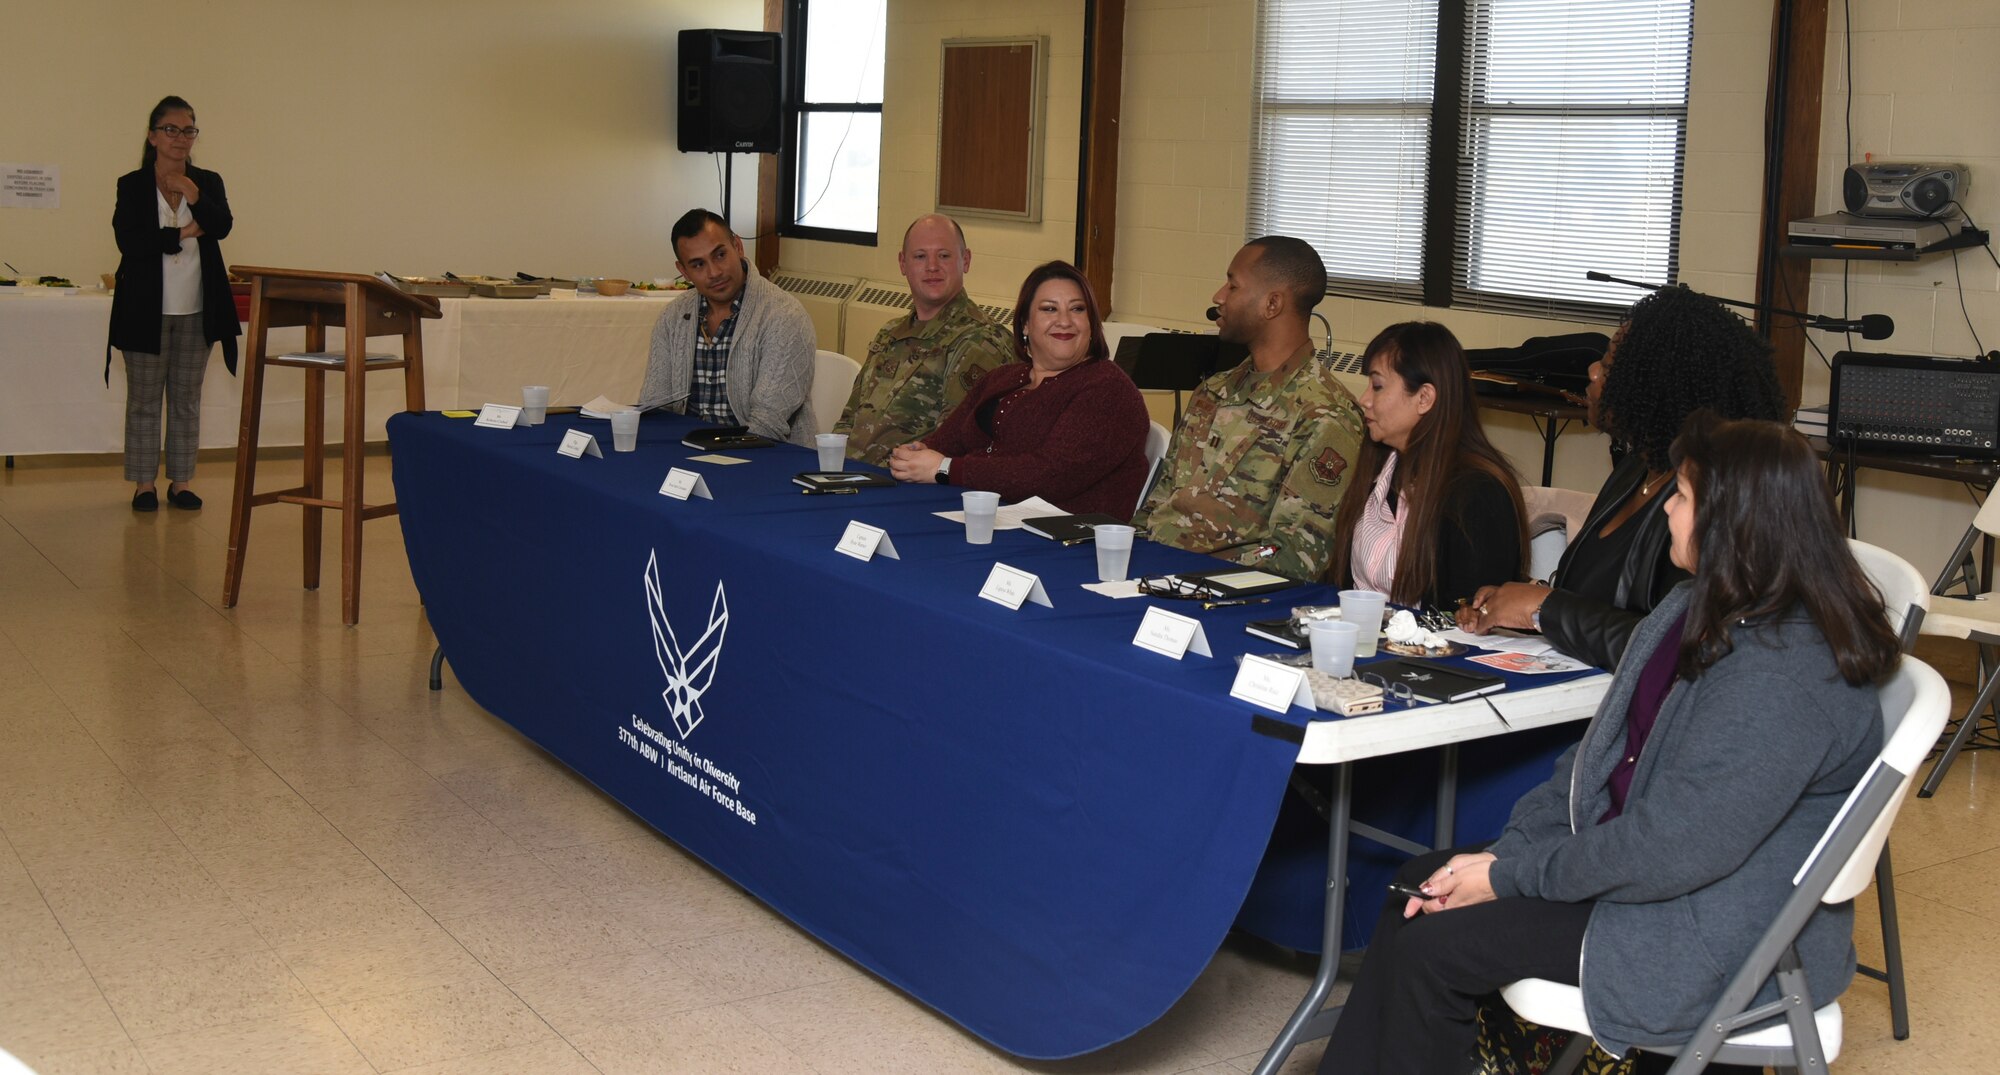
{"x": 1906, "y": 598}
{"x": 1976, "y": 618}
{"x": 1555, "y": 518}
{"x": 1157, "y": 439}
{"x": 1915, "y": 705}
{"x": 833, "y": 380}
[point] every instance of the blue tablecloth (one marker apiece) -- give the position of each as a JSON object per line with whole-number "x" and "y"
{"x": 1023, "y": 820}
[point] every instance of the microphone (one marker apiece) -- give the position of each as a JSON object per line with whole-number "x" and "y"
{"x": 1215, "y": 313}
{"x": 1870, "y": 326}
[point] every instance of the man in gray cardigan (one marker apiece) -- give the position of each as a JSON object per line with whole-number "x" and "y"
{"x": 738, "y": 350}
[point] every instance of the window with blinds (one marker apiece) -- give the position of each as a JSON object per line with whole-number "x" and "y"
{"x": 1482, "y": 153}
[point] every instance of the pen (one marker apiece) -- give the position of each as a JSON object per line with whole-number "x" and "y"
{"x": 826, "y": 492}
{"x": 1236, "y": 601}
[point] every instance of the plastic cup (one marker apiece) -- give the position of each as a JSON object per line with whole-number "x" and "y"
{"x": 980, "y": 509}
{"x": 1363, "y": 609}
{"x": 1114, "y": 551}
{"x": 1333, "y": 643}
{"x": 534, "y": 404}
{"x": 832, "y": 452}
{"x": 624, "y": 430}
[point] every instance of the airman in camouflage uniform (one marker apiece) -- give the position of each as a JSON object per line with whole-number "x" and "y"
{"x": 1258, "y": 465}
{"x": 916, "y": 372}
{"x": 920, "y": 367}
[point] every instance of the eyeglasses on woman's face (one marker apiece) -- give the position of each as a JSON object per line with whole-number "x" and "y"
{"x": 171, "y": 131}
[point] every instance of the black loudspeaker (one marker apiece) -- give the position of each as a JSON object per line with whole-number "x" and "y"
{"x": 730, "y": 91}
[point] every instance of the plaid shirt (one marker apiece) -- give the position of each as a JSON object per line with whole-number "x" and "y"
{"x": 707, "y": 397}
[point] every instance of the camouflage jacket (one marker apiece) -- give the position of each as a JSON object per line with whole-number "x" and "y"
{"x": 1259, "y": 459}
{"x": 915, "y": 374}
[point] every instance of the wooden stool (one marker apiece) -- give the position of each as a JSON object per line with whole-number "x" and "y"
{"x": 364, "y": 306}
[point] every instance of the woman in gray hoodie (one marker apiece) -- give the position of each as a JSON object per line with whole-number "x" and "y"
{"x": 1742, "y": 714}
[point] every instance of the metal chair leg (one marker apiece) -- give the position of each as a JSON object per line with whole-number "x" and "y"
{"x": 1892, "y": 948}
{"x": 437, "y": 669}
{"x": 1973, "y": 717}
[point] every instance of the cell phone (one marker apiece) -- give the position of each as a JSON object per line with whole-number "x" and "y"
{"x": 1412, "y": 891}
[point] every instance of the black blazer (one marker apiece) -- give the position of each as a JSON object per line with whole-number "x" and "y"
{"x": 135, "y": 306}
{"x": 1597, "y": 626}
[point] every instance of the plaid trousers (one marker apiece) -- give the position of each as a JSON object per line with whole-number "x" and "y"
{"x": 178, "y": 369}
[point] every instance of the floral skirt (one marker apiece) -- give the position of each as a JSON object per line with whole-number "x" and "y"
{"x": 1510, "y": 1045}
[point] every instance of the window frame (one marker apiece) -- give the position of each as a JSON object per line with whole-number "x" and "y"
{"x": 796, "y": 107}
{"x": 1445, "y": 171}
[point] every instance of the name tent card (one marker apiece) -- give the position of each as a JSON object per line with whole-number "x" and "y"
{"x": 862, "y": 542}
{"x": 1014, "y": 587}
{"x": 1171, "y": 634}
{"x": 498, "y": 416}
{"x": 1276, "y": 687}
{"x": 681, "y": 484}
{"x": 576, "y": 444}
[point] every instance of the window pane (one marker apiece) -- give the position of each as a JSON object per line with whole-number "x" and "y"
{"x": 1377, "y": 50}
{"x": 839, "y": 164}
{"x": 844, "y": 51}
{"x": 1350, "y": 184}
{"x": 1550, "y": 197}
{"x": 1342, "y": 135}
{"x": 1582, "y": 51}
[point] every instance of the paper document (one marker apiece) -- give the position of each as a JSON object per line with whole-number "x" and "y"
{"x": 1009, "y": 516}
{"x": 604, "y": 408}
{"x": 1128, "y": 588}
{"x": 1503, "y": 643}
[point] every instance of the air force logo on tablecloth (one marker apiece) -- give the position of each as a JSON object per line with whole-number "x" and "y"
{"x": 690, "y": 671}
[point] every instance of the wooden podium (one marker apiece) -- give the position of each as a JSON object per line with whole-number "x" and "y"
{"x": 364, "y": 306}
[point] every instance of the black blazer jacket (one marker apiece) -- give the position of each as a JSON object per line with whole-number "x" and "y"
{"x": 135, "y": 306}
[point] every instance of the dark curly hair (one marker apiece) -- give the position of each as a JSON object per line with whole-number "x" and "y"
{"x": 1677, "y": 352}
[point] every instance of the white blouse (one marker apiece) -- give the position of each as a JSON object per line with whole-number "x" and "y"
{"x": 180, "y": 274}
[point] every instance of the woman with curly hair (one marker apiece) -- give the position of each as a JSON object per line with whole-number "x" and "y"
{"x": 1678, "y": 351}
{"x": 1433, "y": 513}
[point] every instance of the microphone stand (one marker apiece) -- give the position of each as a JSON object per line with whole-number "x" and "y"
{"x": 1812, "y": 321}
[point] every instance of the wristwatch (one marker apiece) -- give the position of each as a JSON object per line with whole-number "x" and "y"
{"x": 943, "y": 475}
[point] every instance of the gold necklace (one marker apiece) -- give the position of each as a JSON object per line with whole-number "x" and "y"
{"x": 1646, "y": 489}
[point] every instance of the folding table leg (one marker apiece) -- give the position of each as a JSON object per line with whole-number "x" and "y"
{"x": 1307, "y": 1020}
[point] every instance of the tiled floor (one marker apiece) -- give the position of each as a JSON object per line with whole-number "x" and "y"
{"x": 252, "y": 841}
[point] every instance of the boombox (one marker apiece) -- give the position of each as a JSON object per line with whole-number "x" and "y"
{"x": 1903, "y": 190}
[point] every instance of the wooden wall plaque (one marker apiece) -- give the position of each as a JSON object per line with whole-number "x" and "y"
{"x": 992, "y": 104}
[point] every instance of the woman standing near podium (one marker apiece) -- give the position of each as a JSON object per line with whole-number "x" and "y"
{"x": 172, "y": 301}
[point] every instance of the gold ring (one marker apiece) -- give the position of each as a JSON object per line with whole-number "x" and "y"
{"x": 1482, "y": 610}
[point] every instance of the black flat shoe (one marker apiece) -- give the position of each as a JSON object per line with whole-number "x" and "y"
{"x": 146, "y": 501}
{"x": 184, "y": 500}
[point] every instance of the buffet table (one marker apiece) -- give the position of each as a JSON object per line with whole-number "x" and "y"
{"x": 1019, "y": 817}
{"x": 54, "y": 400}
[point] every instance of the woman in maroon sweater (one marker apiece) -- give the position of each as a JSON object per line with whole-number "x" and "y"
{"x": 1062, "y": 423}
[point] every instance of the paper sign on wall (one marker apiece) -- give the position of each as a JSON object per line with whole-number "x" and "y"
{"x": 31, "y": 186}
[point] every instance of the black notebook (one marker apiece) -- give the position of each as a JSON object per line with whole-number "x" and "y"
{"x": 1069, "y": 529}
{"x": 1435, "y": 682}
{"x": 840, "y": 479}
{"x": 1280, "y": 631}
{"x": 713, "y": 438}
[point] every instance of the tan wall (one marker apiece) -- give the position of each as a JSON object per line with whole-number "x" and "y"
{"x": 1926, "y": 87}
{"x": 1002, "y": 251}
{"x": 493, "y": 136}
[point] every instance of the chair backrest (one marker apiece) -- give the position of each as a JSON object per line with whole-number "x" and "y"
{"x": 1916, "y": 704}
{"x": 1904, "y": 592}
{"x": 833, "y": 380}
{"x": 1555, "y": 518}
{"x": 1157, "y": 439}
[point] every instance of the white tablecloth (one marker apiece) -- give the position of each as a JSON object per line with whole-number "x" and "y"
{"x": 53, "y": 399}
